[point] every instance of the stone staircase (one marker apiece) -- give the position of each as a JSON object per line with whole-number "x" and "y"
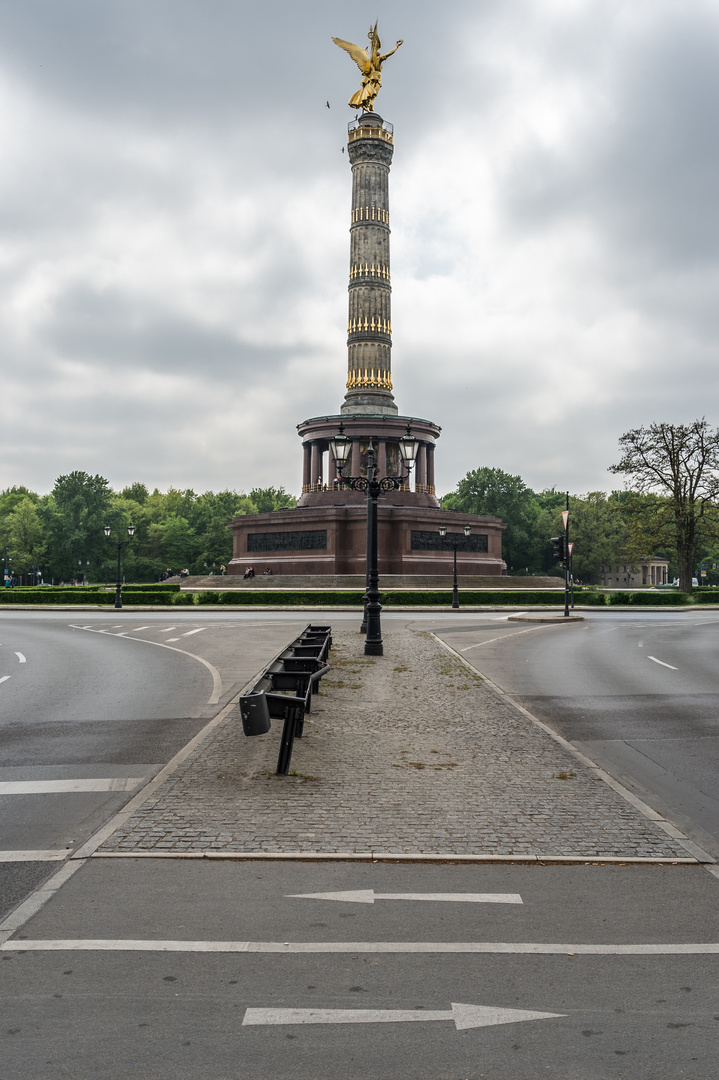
{"x": 357, "y": 581}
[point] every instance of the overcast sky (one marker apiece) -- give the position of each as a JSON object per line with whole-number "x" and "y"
{"x": 174, "y": 247}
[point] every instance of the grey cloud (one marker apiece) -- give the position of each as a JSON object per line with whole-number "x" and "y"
{"x": 647, "y": 175}
{"x": 173, "y": 221}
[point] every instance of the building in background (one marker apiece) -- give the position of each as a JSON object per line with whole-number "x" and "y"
{"x": 651, "y": 571}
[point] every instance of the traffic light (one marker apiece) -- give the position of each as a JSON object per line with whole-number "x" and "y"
{"x": 558, "y": 552}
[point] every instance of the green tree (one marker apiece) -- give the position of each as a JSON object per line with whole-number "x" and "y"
{"x": 212, "y": 516}
{"x": 677, "y": 467}
{"x": 550, "y": 504}
{"x": 597, "y": 529}
{"x": 495, "y": 493}
{"x": 75, "y": 516}
{"x": 25, "y": 536}
{"x": 268, "y": 499}
{"x": 12, "y": 497}
{"x": 136, "y": 493}
{"x": 173, "y": 542}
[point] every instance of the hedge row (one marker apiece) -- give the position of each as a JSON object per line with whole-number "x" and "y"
{"x": 443, "y": 597}
{"x": 157, "y": 586}
{"x": 55, "y": 596}
{"x": 92, "y": 596}
{"x": 649, "y": 599}
{"x": 351, "y": 597}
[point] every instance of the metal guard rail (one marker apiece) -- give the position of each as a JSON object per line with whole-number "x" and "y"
{"x": 299, "y": 669}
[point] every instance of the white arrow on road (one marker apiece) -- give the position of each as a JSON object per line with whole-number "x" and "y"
{"x": 368, "y": 896}
{"x": 464, "y": 1016}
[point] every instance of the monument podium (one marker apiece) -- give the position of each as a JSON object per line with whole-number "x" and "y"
{"x": 326, "y": 532}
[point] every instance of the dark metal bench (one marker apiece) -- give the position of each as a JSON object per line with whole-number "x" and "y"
{"x": 284, "y": 690}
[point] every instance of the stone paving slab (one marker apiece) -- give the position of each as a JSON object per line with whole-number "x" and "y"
{"x": 407, "y": 753}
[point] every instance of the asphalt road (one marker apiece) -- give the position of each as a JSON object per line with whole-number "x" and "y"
{"x": 172, "y": 969}
{"x": 637, "y": 693}
{"x": 92, "y": 707}
{"x": 80, "y": 999}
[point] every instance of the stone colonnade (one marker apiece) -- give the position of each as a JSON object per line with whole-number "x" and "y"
{"x": 319, "y": 472}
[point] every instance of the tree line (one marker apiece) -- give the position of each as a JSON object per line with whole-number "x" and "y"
{"x": 670, "y": 508}
{"x": 61, "y": 536}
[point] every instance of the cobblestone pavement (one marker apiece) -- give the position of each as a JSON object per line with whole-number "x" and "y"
{"x": 407, "y": 753}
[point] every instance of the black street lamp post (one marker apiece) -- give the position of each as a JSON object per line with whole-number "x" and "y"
{"x": 455, "y": 542}
{"x": 340, "y": 448}
{"x": 120, "y": 545}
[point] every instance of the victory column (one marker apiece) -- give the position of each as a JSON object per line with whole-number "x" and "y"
{"x": 325, "y": 533}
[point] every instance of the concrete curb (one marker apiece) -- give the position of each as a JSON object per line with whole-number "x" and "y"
{"x": 405, "y": 857}
{"x": 548, "y": 618}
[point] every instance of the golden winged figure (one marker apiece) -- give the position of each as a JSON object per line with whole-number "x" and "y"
{"x": 371, "y": 67}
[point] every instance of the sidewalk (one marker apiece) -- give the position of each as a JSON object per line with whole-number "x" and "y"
{"x": 407, "y": 754}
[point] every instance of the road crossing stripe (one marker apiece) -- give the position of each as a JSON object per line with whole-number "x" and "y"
{"x": 4, "y": 678}
{"x": 51, "y": 855}
{"x": 506, "y": 948}
{"x": 53, "y": 787}
{"x": 199, "y": 630}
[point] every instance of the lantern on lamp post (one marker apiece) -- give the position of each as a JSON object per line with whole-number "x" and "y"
{"x": 120, "y": 545}
{"x": 374, "y": 486}
{"x": 455, "y": 542}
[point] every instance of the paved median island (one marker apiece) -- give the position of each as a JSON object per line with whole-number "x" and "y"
{"x": 409, "y": 754}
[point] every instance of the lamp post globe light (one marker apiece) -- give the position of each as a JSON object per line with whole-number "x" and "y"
{"x": 455, "y": 543}
{"x": 375, "y": 486}
{"x": 120, "y": 545}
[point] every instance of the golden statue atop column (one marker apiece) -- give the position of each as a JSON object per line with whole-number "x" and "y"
{"x": 370, "y": 64}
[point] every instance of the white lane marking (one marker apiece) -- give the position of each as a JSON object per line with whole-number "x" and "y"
{"x": 48, "y": 855}
{"x": 662, "y": 663}
{"x": 199, "y": 630}
{"x": 368, "y": 896}
{"x": 4, "y": 678}
{"x": 502, "y": 637}
{"x": 464, "y": 1016}
{"x": 713, "y": 870}
{"x": 172, "y": 639}
{"x": 137, "y": 629}
{"x": 216, "y": 677}
{"x": 166, "y": 629}
{"x": 52, "y": 787}
{"x": 507, "y": 948}
{"x": 21, "y": 658}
